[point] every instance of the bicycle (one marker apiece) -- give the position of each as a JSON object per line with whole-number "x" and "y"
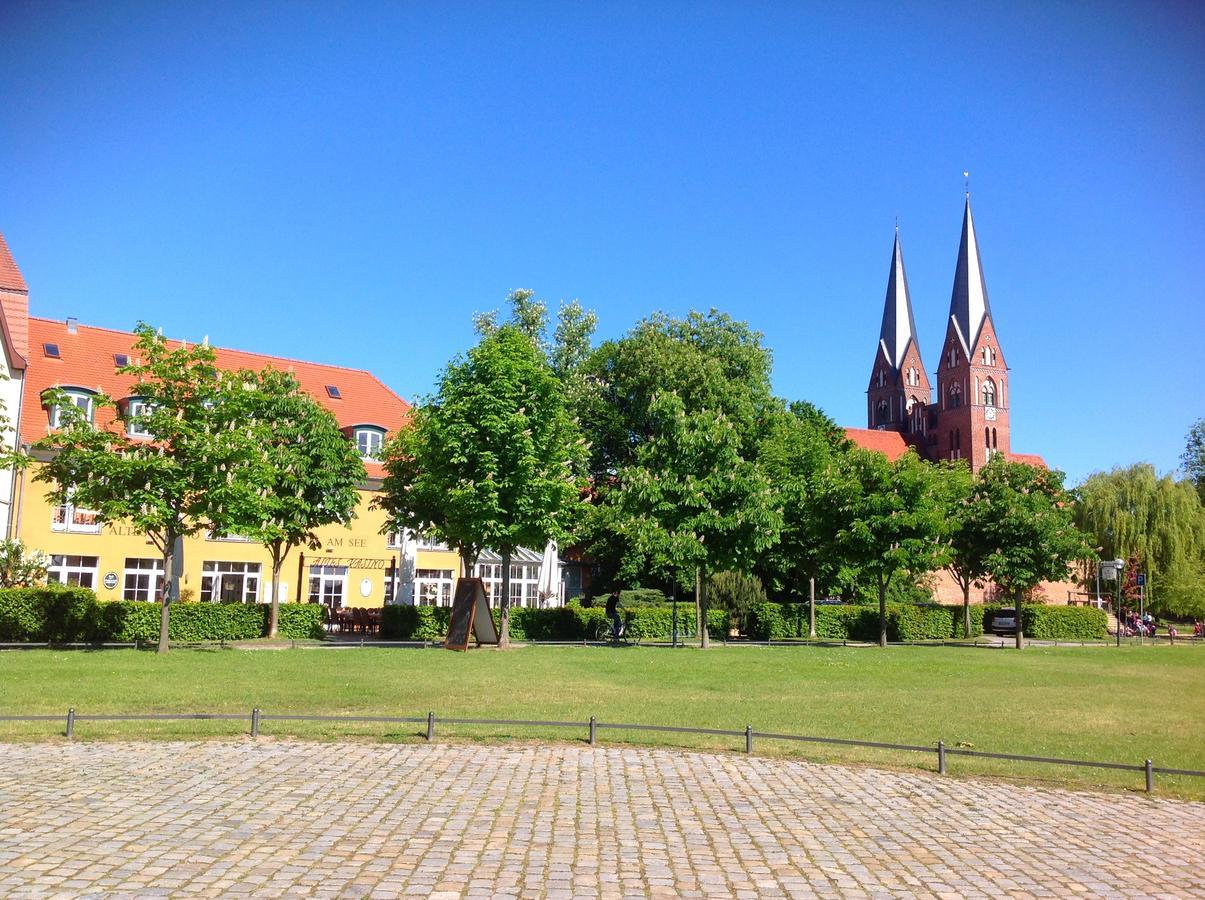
{"x": 604, "y": 635}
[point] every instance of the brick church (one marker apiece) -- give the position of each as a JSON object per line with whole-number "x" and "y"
{"x": 969, "y": 416}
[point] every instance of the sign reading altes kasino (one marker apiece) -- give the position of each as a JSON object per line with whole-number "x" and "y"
{"x": 352, "y": 562}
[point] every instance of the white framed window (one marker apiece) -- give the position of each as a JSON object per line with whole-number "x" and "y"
{"x": 82, "y": 400}
{"x": 524, "y": 582}
{"x": 328, "y": 585}
{"x": 430, "y": 543}
{"x": 989, "y": 356}
{"x": 77, "y": 570}
{"x": 228, "y": 538}
{"x": 433, "y": 587}
{"x": 136, "y": 407}
{"x": 143, "y": 579}
{"x": 69, "y": 517}
{"x": 229, "y": 582}
{"x": 369, "y": 441}
{"x": 393, "y": 540}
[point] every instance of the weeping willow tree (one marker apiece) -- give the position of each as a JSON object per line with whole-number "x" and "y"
{"x": 1134, "y": 512}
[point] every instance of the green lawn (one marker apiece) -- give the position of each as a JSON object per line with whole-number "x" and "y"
{"x": 1089, "y": 703}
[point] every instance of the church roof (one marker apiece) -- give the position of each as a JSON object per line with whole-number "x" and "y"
{"x": 891, "y": 444}
{"x": 899, "y": 328}
{"x": 14, "y": 308}
{"x": 968, "y": 301}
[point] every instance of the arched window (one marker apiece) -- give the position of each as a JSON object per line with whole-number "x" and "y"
{"x": 993, "y": 438}
{"x": 913, "y": 376}
{"x": 958, "y": 439}
{"x": 79, "y": 398}
{"x": 953, "y": 358}
{"x": 989, "y": 392}
{"x": 989, "y": 356}
{"x": 884, "y": 413}
{"x": 987, "y": 439}
{"x": 951, "y": 442}
{"x": 878, "y": 378}
{"x": 955, "y": 396}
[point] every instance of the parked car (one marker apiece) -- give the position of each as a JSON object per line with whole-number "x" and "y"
{"x": 1005, "y": 622}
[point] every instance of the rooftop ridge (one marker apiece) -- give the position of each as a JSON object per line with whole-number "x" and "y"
{"x": 304, "y": 362}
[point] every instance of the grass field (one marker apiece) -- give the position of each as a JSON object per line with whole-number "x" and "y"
{"x": 1094, "y": 703}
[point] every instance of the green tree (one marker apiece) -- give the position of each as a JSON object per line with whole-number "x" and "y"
{"x": 799, "y": 455}
{"x": 303, "y": 468}
{"x": 1193, "y": 458}
{"x": 970, "y": 534}
{"x": 20, "y": 566}
{"x": 689, "y": 503}
{"x": 892, "y": 520}
{"x": 493, "y": 460}
{"x": 1032, "y": 529}
{"x": 674, "y": 421}
{"x": 177, "y": 474}
{"x": 1134, "y": 512}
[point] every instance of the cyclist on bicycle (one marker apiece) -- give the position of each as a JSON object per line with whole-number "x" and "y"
{"x": 613, "y": 615}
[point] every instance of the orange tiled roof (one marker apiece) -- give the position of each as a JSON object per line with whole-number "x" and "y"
{"x": 87, "y": 361}
{"x": 890, "y": 443}
{"x": 14, "y": 306}
{"x": 10, "y": 276}
{"x": 1030, "y": 459}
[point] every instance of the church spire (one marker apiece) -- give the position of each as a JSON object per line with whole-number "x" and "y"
{"x": 969, "y": 306}
{"x": 898, "y": 325}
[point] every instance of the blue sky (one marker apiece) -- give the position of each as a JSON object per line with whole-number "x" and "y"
{"x": 348, "y": 183}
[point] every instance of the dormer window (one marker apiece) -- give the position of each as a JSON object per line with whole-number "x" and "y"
{"x": 82, "y": 400}
{"x": 136, "y": 408}
{"x": 369, "y": 441}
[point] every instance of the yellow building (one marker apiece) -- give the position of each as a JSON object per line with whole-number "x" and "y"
{"x": 357, "y": 565}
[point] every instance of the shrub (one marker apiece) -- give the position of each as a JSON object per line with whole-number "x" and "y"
{"x": 52, "y": 613}
{"x": 68, "y": 615}
{"x": 415, "y": 623}
{"x": 919, "y": 623}
{"x": 631, "y": 597}
{"x": 1065, "y": 623}
{"x": 300, "y": 621}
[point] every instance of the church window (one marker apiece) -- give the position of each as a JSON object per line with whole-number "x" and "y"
{"x": 993, "y": 438}
{"x": 989, "y": 392}
{"x": 884, "y": 413}
{"x": 953, "y": 359}
{"x": 958, "y": 439}
{"x": 989, "y": 356}
{"x": 955, "y": 396}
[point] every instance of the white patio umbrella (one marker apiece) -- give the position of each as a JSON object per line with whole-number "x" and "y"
{"x": 549, "y": 583}
{"x": 408, "y": 559}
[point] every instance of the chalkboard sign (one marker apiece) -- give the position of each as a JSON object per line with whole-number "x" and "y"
{"x": 470, "y": 615}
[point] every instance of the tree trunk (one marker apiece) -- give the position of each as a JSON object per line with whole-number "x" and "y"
{"x": 274, "y": 608}
{"x": 165, "y": 596}
{"x": 811, "y": 607}
{"x": 966, "y": 609}
{"x": 882, "y": 611}
{"x": 704, "y": 637}
{"x": 504, "y": 603}
{"x": 1021, "y": 621}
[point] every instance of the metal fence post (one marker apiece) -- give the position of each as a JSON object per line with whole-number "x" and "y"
{"x": 71, "y": 724}
{"x": 255, "y": 722}
{"x": 1150, "y": 778}
{"x": 593, "y": 731}
{"x": 941, "y": 757}
{"x": 430, "y": 726}
{"x": 748, "y": 738}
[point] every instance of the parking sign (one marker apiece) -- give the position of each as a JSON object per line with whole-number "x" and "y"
{"x": 1141, "y": 579}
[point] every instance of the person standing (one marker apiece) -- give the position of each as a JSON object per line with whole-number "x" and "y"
{"x": 613, "y": 615}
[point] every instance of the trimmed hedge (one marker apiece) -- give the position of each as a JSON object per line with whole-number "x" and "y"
{"x": 905, "y": 622}
{"x": 568, "y": 623}
{"x": 1065, "y": 623}
{"x": 68, "y": 615}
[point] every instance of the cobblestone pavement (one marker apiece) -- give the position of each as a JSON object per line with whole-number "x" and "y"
{"x": 274, "y": 818}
